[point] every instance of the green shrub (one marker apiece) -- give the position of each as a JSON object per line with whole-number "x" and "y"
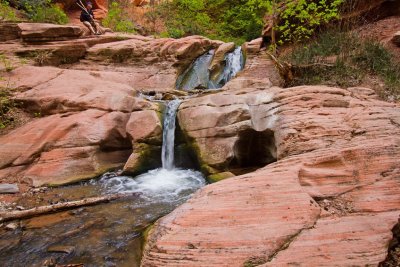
{"x": 6, "y": 12}
{"x": 44, "y": 11}
{"x": 6, "y": 101}
{"x": 343, "y": 59}
{"x": 227, "y": 20}
{"x": 118, "y": 20}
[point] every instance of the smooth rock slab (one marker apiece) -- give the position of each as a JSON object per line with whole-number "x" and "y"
{"x": 9, "y": 189}
{"x": 42, "y": 32}
{"x": 228, "y": 223}
{"x": 357, "y": 240}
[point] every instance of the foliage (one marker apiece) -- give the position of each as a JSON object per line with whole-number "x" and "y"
{"x": 6, "y": 102}
{"x": 297, "y": 20}
{"x": 43, "y": 11}
{"x": 237, "y": 20}
{"x": 343, "y": 59}
{"x": 7, "y": 64}
{"x": 242, "y": 20}
{"x": 118, "y": 20}
{"x": 6, "y": 12}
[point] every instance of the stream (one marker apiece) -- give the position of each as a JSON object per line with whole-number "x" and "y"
{"x": 112, "y": 234}
{"x": 104, "y": 235}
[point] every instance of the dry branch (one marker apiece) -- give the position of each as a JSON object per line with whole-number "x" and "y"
{"x": 23, "y": 214}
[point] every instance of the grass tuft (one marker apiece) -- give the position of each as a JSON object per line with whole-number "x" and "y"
{"x": 343, "y": 59}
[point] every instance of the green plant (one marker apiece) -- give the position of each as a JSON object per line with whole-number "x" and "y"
{"x": 118, "y": 20}
{"x": 228, "y": 20}
{"x": 41, "y": 57}
{"x": 297, "y": 20}
{"x": 6, "y": 104}
{"x": 44, "y": 11}
{"x": 6, "y": 12}
{"x": 6, "y": 62}
{"x": 343, "y": 59}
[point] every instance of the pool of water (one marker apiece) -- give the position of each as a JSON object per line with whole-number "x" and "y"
{"x": 109, "y": 234}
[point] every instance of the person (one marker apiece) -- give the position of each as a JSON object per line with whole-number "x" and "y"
{"x": 87, "y": 18}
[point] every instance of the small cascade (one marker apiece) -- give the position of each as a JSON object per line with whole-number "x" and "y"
{"x": 167, "y": 184}
{"x": 197, "y": 76}
{"x": 169, "y": 134}
{"x": 234, "y": 63}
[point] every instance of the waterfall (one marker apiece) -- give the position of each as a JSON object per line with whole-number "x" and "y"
{"x": 197, "y": 76}
{"x": 164, "y": 185}
{"x": 169, "y": 134}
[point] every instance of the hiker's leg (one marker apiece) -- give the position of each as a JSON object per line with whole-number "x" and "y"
{"x": 99, "y": 28}
{"x": 89, "y": 26}
{"x": 96, "y": 27}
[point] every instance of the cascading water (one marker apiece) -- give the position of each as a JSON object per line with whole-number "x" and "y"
{"x": 167, "y": 183}
{"x": 234, "y": 62}
{"x": 169, "y": 135}
{"x": 106, "y": 232}
{"x": 197, "y": 76}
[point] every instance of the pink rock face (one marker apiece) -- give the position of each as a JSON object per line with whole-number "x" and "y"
{"x": 141, "y": 51}
{"x": 74, "y": 90}
{"x": 60, "y": 145}
{"x": 91, "y": 115}
{"x": 42, "y": 32}
{"x": 331, "y": 199}
{"x": 145, "y": 126}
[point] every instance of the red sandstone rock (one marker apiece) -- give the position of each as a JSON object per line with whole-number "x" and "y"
{"x": 62, "y": 144}
{"x": 340, "y": 146}
{"x": 145, "y": 126}
{"x": 354, "y": 240}
{"x": 145, "y": 50}
{"x": 42, "y": 32}
{"x": 74, "y": 90}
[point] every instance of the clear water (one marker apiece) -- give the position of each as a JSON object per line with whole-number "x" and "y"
{"x": 197, "y": 76}
{"x": 169, "y": 134}
{"x": 109, "y": 234}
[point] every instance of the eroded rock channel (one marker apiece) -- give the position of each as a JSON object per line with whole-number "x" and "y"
{"x": 302, "y": 176}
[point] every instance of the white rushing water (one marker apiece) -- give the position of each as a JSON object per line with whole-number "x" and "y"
{"x": 198, "y": 74}
{"x": 167, "y": 184}
{"x": 159, "y": 184}
{"x": 169, "y": 134}
{"x": 234, "y": 64}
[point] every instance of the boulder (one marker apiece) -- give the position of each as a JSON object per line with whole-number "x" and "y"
{"x": 9, "y": 189}
{"x": 75, "y": 90}
{"x": 145, "y": 130}
{"x": 217, "y": 63}
{"x": 332, "y": 197}
{"x": 44, "y": 32}
{"x": 166, "y": 52}
{"x": 68, "y": 147}
{"x": 145, "y": 127}
{"x": 9, "y": 31}
{"x": 145, "y": 157}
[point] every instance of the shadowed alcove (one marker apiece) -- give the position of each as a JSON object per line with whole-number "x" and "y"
{"x": 253, "y": 150}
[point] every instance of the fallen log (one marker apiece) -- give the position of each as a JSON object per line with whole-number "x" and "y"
{"x": 23, "y": 214}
